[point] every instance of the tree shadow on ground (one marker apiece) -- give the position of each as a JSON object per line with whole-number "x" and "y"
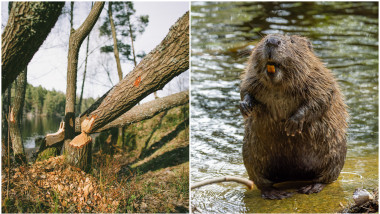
{"x": 158, "y": 126}
{"x": 167, "y": 138}
{"x": 172, "y": 158}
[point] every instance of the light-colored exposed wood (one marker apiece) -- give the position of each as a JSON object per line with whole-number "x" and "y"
{"x": 87, "y": 124}
{"x": 80, "y": 140}
{"x": 56, "y": 137}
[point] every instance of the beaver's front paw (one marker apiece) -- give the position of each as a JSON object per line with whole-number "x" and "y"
{"x": 294, "y": 125}
{"x": 245, "y": 108}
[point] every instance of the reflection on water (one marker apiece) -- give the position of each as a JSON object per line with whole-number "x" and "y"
{"x": 344, "y": 36}
{"x": 37, "y": 127}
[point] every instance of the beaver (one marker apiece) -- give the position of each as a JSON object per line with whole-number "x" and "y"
{"x": 294, "y": 115}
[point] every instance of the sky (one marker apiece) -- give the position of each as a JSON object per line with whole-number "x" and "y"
{"x": 48, "y": 67}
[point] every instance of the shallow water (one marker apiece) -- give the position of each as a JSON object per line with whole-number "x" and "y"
{"x": 344, "y": 36}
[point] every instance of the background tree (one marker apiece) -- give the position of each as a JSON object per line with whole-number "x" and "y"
{"x": 127, "y": 26}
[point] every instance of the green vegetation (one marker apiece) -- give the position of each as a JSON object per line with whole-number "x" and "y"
{"x": 47, "y": 153}
{"x": 128, "y": 25}
{"x": 40, "y": 101}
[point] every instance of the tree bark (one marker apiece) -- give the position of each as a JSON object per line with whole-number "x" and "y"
{"x": 149, "y": 110}
{"x": 18, "y": 147}
{"x": 71, "y": 15}
{"x": 115, "y": 49}
{"x": 169, "y": 59}
{"x": 85, "y": 70}
{"x": 117, "y": 58}
{"x": 28, "y": 25}
{"x": 80, "y": 156}
{"x": 75, "y": 41}
{"x": 6, "y": 101}
{"x": 133, "y": 47}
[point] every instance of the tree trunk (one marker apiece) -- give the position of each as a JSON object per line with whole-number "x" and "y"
{"x": 115, "y": 49}
{"x": 18, "y": 147}
{"x": 133, "y": 47}
{"x": 117, "y": 58}
{"x": 71, "y": 15}
{"x": 84, "y": 76}
{"x": 149, "y": 110}
{"x": 75, "y": 41}
{"x": 85, "y": 70}
{"x": 80, "y": 157}
{"x": 6, "y": 101}
{"x": 169, "y": 59}
{"x": 28, "y": 25}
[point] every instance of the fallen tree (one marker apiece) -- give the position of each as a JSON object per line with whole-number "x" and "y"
{"x": 148, "y": 110}
{"x": 28, "y": 25}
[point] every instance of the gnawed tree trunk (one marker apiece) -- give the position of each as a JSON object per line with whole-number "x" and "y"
{"x": 149, "y": 110}
{"x": 75, "y": 41}
{"x": 28, "y": 25}
{"x": 80, "y": 155}
{"x": 18, "y": 147}
{"x": 169, "y": 59}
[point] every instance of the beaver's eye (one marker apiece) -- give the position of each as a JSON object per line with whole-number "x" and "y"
{"x": 292, "y": 41}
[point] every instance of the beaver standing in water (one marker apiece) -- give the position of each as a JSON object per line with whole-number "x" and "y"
{"x": 295, "y": 117}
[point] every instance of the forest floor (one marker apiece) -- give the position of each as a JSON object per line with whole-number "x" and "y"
{"x": 148, "y": 171}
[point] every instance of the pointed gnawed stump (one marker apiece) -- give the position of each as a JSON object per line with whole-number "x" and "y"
{"x": 78, "y": 151}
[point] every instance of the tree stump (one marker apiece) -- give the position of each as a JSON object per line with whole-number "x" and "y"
{"x": 78, "y": 152}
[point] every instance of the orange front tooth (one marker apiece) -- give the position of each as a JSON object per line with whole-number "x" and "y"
{"x": 271, "y": 69}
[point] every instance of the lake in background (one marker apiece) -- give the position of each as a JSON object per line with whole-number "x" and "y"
{"x": 35, "y": 127}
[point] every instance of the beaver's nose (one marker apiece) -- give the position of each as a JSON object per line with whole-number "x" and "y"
{"x": 272, "y": 42}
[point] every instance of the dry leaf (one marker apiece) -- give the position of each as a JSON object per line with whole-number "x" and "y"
{"x": 86, "y": 190}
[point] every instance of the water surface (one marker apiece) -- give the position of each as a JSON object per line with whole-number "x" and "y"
{"x": 344, "y": 36}
{"x": 35, "y": 127}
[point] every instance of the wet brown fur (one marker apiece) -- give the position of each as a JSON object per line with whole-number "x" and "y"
{"x": 303, "y": 100}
